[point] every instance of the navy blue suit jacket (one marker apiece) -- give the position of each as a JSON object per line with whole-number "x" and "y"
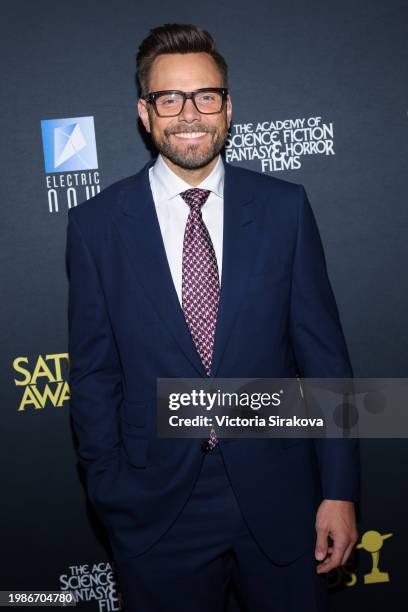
{"x": 277, "y": 318}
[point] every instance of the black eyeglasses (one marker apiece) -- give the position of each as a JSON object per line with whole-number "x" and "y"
{"x": 170, "y": 103}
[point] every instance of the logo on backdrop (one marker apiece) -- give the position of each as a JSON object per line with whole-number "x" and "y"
{"x": 44, "y": 382}
{"x": 71, "y": 161}
{"x": 279, "y": 145}
{"x": 93, "y": 583}
{"x": 371, "y": 542}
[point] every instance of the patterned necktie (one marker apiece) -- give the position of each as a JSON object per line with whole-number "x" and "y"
{"x": 200, "y": 284}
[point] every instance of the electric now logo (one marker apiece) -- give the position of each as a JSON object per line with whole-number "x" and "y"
{"x": 71, "y": 161}
{"x": 69, "y": 144}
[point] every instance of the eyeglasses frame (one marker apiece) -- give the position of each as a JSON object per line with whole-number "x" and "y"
{"x": 187, "y": 95}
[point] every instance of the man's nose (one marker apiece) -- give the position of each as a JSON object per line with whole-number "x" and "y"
{"x": 189, "y": 112}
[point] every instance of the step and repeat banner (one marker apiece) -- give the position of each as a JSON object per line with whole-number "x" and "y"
{"x": 319, "y": 95}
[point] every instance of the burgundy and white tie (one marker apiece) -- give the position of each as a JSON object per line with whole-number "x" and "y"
{"x": 200, "y": 288}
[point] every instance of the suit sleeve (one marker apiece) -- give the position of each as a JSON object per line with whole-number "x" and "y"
{"x": 95, "y": 375}
{"x": 320, "y": 349}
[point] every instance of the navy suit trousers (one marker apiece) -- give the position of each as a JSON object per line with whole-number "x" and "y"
{"x": 208, "y": 547}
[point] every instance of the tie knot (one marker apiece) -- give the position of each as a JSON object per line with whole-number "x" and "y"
{"x": 195, "y": 197}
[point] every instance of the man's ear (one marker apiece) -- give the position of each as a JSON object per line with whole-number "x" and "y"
{"x": 143, "y": 114}
{"x": 229, "y": 110}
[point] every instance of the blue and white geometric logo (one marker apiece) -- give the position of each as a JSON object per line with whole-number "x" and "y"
{"x": 69, "y": 144}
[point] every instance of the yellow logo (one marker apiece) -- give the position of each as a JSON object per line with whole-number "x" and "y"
{"x": 372, "y": 542}
{"x": 345, "y": 575}
{"x": 44, "y": 383}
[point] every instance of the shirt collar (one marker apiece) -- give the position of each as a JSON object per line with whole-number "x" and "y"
{"x": 168, "y": 185}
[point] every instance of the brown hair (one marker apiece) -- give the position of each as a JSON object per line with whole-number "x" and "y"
{"x": 175, "y": 38}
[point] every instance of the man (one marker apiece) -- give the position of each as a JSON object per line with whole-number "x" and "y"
{"x": 195, "y": 268}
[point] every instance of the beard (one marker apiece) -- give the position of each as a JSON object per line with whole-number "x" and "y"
{"x": 191, "y": 156}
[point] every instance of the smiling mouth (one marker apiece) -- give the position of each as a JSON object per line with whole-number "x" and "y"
{"x": 190, "y": 135}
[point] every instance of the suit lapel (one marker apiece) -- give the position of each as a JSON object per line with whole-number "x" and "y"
{"x": 239, "y": 248}
{"x": 139, "y": 229}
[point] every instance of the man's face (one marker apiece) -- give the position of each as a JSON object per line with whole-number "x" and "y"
{"x": 186, "y": 72}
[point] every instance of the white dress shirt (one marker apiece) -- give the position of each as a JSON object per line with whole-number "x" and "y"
{"x": 172, "y": 212}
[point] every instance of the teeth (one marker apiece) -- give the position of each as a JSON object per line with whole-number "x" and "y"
{"x": 189, "y": 134}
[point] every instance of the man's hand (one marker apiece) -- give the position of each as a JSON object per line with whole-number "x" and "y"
{"x": 335, "y": 519}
